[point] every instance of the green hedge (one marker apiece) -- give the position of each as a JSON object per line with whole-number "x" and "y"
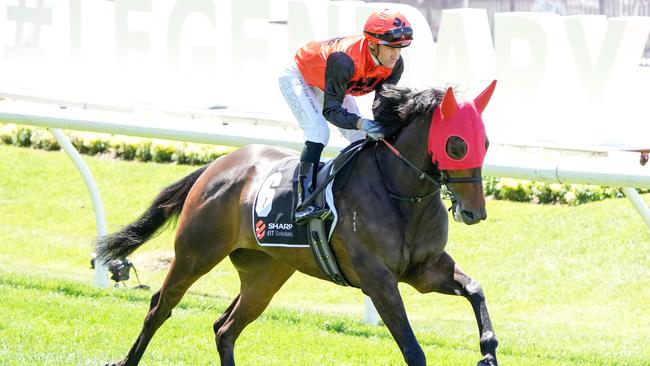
{"x": 121, "y": 147}
{"x": 129, "y": 148}
{"x": 537, "y": 192}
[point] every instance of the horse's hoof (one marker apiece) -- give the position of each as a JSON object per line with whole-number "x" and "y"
{"x": 119, "y": 363}
{"x": 488, "y": 360}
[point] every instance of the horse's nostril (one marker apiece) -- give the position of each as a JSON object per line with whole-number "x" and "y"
{"x": 468, "y": 214}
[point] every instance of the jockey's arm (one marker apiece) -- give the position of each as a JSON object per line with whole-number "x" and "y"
{"x": 338, "y": 72}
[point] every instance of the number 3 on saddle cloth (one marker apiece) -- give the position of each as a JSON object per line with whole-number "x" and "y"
{"x": 275, "y": 202}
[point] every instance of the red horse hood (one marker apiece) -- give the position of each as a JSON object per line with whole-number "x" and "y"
{"x": 462, "y": 120}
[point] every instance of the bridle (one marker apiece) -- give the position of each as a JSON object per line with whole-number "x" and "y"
{"x": 437, "y": 180}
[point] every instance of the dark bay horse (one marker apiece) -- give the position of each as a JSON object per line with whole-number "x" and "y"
{"x": 392, "y": 223}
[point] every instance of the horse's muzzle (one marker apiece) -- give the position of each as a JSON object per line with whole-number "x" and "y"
{"x": 468, "y": 216}
{"x": 471, "y": 217}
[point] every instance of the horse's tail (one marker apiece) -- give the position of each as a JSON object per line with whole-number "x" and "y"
{"x": 168, "y": 204}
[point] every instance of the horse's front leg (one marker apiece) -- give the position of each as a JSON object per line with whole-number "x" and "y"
{"x": 443, "y": 275}
{"x": 472, "y": 290}
{"x": 381, "y": 286}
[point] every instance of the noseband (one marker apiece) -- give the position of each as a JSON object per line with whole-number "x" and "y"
{"x": 437, "y": 180}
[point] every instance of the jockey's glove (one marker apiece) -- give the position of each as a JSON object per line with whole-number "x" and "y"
{"x": 373, "y": 129}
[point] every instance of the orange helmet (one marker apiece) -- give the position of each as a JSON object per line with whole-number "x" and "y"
{"x": 388, "y": 27}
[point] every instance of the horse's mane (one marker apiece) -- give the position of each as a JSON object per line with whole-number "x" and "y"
{"x": 397, "y": 106}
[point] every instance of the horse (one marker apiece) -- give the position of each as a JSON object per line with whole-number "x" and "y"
{"x": 392, "y": 226}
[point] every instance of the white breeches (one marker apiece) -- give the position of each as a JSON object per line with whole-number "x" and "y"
{"x": 306, "y": 103}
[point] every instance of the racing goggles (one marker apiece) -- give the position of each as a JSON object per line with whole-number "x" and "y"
{"x": 396, "y": 37}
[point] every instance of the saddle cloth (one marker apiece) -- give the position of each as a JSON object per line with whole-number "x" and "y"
{"x": 275, "y": 202}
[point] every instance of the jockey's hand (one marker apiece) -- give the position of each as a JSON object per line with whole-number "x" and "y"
{"x": 373, "y": 129}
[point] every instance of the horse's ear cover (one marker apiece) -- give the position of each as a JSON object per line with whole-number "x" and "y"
{"x": 449, "y": 105}
{"x": 482, "y": 100}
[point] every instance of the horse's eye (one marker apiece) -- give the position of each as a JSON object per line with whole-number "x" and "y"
{"x": 456, "y": 147}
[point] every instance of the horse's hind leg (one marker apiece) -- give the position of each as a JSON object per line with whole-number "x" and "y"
{"x": 444, "y": 276}
{"x": 261, "y": 277}
{"x": 197, "y": 252}
{"x": 179, "y": 278}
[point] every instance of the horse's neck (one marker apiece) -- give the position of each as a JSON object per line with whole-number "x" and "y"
{"x": 412, "y": 142}
{"x": 405, "y": 181}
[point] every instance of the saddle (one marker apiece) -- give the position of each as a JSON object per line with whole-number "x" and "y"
{"x": 275, "y": 202}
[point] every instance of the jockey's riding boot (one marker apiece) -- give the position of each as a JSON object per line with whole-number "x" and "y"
{"x": 304, "y": 214}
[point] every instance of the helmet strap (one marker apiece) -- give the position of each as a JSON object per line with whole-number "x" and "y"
{"x": 374, "y": 53}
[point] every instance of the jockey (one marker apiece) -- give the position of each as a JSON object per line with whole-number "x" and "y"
{"x": 326, "y": 75}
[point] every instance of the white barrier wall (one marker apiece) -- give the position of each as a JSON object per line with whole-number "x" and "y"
{"x": 567, "y": 80}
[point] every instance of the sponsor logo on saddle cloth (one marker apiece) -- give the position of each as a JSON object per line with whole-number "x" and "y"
{"x": 275, "y": 201}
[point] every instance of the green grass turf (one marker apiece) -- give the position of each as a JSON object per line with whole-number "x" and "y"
{"x": 565, "y": 285}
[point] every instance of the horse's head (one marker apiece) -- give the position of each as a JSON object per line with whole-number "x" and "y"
{"x": 457, "y": 144}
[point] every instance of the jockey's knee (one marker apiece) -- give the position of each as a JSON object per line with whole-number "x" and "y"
{"x": 353, "y": 135}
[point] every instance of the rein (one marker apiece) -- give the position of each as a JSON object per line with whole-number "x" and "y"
{"x": 443, "y": 179}
{"x": 421, "y": 173}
